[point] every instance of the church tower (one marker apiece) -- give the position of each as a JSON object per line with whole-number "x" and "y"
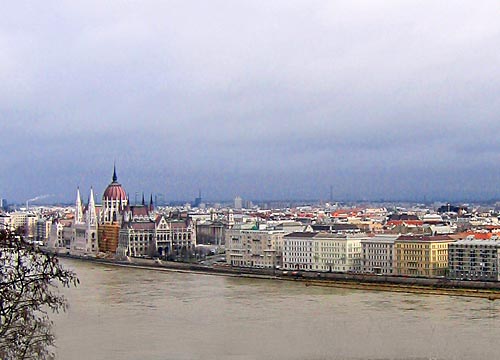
{"x": 91, "y": 218}
{"x": 78, "y": 208}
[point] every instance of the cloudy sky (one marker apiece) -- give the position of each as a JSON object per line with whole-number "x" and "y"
{"x": 262, "y": 99}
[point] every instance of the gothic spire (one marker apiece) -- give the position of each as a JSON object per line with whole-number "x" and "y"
{"x": 91, "y": 213}
{"x": 79, "y": 207}
{"x": 115, "y": 178}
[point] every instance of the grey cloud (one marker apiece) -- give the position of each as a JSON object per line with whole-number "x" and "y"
{"x": 264, "y": 99}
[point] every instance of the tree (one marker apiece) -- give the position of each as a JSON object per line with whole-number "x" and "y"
{"x": 28, "y": 292}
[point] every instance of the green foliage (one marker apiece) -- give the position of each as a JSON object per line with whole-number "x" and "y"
{"x": 28, "y": 293}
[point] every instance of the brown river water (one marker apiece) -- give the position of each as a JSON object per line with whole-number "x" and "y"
{"x": 125, "y": 313}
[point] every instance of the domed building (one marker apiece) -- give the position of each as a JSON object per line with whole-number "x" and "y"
{"x": 119, "y": 228}
{"x": 114, "y": 201}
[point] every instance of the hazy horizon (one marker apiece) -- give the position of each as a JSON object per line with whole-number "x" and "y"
{"x": 278, "y": 100}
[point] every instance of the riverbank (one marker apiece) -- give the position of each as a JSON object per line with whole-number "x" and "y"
{"x": 488, "y": 290}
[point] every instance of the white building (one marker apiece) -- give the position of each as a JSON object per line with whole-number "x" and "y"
{"x": 298, "y": 251}
{"x": 254, "y": 248}
{"x": 378, "y": 254}
{"x": 84, "y": 226}
{"x": 56, "y": 239}
{"x": 317, "y": 251}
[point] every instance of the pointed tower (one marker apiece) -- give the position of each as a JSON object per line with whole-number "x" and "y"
{"x": 151, "y": 205}
{"x": 115, "y": 178}
{"x": 92, "y": 243}
{"x": 91, "y": 213}
{"x": 79, "y": 208}
{"x": 143, "y": 201}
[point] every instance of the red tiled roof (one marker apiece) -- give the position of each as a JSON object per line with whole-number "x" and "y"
{"x": 477, "y": 235}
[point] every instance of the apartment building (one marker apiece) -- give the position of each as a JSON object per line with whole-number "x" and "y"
{"x": 320, "y": 251}
{"x": 254, "y": 248}
{"x": 378, "y": 254}
{"x": 473, "y": 259}
{"x": 421, "y": 255}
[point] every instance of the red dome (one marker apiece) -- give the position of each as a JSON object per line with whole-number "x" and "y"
{"x": 114, "y": 191}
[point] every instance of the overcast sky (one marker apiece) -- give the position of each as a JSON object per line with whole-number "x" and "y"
{"x": 262, "y": 99}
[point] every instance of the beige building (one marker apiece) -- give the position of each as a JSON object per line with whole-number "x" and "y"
{"x": 254, "y": 248}
{"x": 422, "y": 255}
{"x": 19, "y": 220}
{"x": 320, "y": 251}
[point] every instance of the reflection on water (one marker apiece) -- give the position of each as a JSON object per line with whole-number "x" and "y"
{"x": 125, "y": 313}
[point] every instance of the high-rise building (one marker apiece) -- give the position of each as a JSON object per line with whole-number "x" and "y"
{"x": 238, "y": 203}
{"x": 197, "y": 201}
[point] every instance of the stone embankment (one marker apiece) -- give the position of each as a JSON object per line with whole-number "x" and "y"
{"x": 441, "y": 286}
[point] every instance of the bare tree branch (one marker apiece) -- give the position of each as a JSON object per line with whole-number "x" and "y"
{"x": 28, "y": 291}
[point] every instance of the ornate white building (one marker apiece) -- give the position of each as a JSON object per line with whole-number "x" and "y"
{"x": 85, "y": 237}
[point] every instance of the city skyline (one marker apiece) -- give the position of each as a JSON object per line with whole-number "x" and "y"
{"x": 380, "y": 100}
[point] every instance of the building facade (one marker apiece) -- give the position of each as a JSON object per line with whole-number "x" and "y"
{"x": 422, "y": 255}
{"x": 472, "y": 259}
{"x": 320, "y": 251}
{"x": 254, "y": 248}
{"x": 378, "y": 254}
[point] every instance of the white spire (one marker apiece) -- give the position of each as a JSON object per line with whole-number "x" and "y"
{"x": 91, "y": 213}
{"x": 79, "y": 208}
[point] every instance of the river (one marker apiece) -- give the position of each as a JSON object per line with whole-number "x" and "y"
{"x": 125, "y": 313}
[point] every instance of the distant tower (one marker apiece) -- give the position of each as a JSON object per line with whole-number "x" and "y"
{"x": 79, "y": 208}
{"x": 213, "y": 215}
{"x": 197, "y": 201}
{"x": 238, "y": 203}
